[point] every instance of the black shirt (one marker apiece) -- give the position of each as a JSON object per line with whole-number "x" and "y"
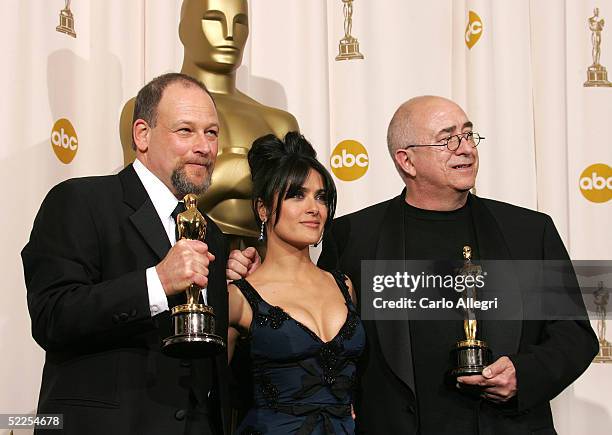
{"x": 442, "y": 409}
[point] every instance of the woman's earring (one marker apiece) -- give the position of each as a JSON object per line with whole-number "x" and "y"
{"x": 261, "y": 232}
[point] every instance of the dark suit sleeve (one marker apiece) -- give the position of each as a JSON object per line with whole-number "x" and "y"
{"x": 70, "y": 301}
{"x": 334, "y": 241}
{"x": 564, "y": 349}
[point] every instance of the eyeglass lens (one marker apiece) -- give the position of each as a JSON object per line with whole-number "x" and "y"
{"x": 455, "y": 141}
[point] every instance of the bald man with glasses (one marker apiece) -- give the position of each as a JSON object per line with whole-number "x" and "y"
{"x": 403, "y": 384}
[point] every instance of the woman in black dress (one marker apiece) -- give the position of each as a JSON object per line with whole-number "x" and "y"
{"x": 304, "y": 332}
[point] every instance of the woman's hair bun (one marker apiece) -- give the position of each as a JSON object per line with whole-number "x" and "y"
{"x": 297, "y": 144}
{"x": 269, "y": 151}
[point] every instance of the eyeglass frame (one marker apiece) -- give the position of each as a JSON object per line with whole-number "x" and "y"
{"x": 461, "y": 136}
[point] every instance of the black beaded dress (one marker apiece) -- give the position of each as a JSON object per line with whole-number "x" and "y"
{"x": 302, "y": 385}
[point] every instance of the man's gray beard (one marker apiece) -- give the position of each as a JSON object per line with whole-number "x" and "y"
{"x": 183, "y": 186}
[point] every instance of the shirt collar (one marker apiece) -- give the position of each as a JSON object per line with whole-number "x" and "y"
{"x": 162, "y": 198}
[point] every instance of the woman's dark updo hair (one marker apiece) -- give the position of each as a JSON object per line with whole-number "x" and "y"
{"x": 281, "y": 167}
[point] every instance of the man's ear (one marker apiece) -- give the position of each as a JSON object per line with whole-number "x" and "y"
{"x": 140, "y": 135}
{"x": 404, "y": 159}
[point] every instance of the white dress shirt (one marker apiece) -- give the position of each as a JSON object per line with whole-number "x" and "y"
{"x": 164, "y": 203}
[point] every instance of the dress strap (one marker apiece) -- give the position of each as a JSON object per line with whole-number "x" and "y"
{"x": 341, "y": 281}
{"x": 249, "y": 292}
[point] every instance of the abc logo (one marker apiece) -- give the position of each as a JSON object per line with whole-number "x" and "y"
{"x": 596, "y": 183}
{"x": 473, "y": 30}
{"x": 64, "y": 140}
{"x": 349, "y": 161}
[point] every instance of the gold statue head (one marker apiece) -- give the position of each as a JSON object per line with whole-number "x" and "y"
{"x": 214, "y": 33}
{"x": 467, "y": 253}
{"x": 191, "y": 201}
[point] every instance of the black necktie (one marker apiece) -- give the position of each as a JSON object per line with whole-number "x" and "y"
{"x": 180, "y": 207}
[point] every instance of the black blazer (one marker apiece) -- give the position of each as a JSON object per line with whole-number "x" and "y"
{"x": 85, "y": 263}
{"x": 547, "y": 355}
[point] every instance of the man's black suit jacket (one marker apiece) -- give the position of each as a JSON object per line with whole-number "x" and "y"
{"x": 85, "y": 263}
{"x": 547, "y": 355}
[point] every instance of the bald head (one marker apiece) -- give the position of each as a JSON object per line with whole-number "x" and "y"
{"x": 436, "y": 178}
{"x": 410, "y": 119}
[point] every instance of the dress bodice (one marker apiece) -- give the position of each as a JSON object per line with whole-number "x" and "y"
{"x": 301, "y": 383}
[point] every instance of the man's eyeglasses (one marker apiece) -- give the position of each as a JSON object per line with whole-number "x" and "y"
{"x": 454, "y": 142}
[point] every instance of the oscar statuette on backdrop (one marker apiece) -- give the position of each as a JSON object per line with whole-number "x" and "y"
{"x": 601, "y": 296}
{"x": 597, "y": 75}
{"x": 66, "y": 21}
{"x": 193, "y": 323}
{"x": 470, "y": 355}
{"x": 349, "y": 45}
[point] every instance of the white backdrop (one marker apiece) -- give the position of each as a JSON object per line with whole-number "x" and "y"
{"x": 521, "y": 83}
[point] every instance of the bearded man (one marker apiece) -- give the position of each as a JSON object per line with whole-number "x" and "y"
{"x": 102, "y": 267}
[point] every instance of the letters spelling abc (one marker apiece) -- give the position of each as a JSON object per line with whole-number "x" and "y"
{"x": 61, "y": 139}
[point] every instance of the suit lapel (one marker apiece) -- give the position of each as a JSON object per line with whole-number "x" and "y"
{"x": 145, "y": 218}
{"x": 503, "y": 337}
{"x": 217, "y": 289}
{"x": 394, "y": 335}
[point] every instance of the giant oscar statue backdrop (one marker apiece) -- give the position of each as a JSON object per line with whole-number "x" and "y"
{"x": 214, "y": 33}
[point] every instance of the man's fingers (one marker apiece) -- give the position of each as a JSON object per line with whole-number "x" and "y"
{"x": 497, "y": 367}
{"x": 193, "y": 245}
{"x": 256, "y": 261}
{"x": 239, "y": 258}
{"x": 241, "y": 263}
{"x": 498, "y": 394}
{"x": 236, "y": 267}
{"x": 478, "y": 380}
{"x": 253, "y": 257}
{"x": 187, "y": 263}
{"x": 250, "y": 253}
{"x": 200, "y": 280}
{"x": 231, "y": 275}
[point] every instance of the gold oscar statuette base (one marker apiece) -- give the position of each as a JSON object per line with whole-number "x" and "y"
{"x": 66, "y": 24}
{"x": 605, "y": 352}
{"x": 597, "y": 76}
{"x": 470, "y": 358}
{"x": 349, "y": 49}
{"x": 194, "y": 336}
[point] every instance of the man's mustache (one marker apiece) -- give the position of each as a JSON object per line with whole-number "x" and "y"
{"x": 201, "y": 162}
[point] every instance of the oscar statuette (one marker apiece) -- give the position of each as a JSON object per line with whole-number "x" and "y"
{"x": 602, "y": 295}
{"x": 597, "y": 75}
{"x": 66, "y": 21}
{"x": 349, "y": 45}
{"x": 193, "y": 323}
{"x": 469, "y": 356}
